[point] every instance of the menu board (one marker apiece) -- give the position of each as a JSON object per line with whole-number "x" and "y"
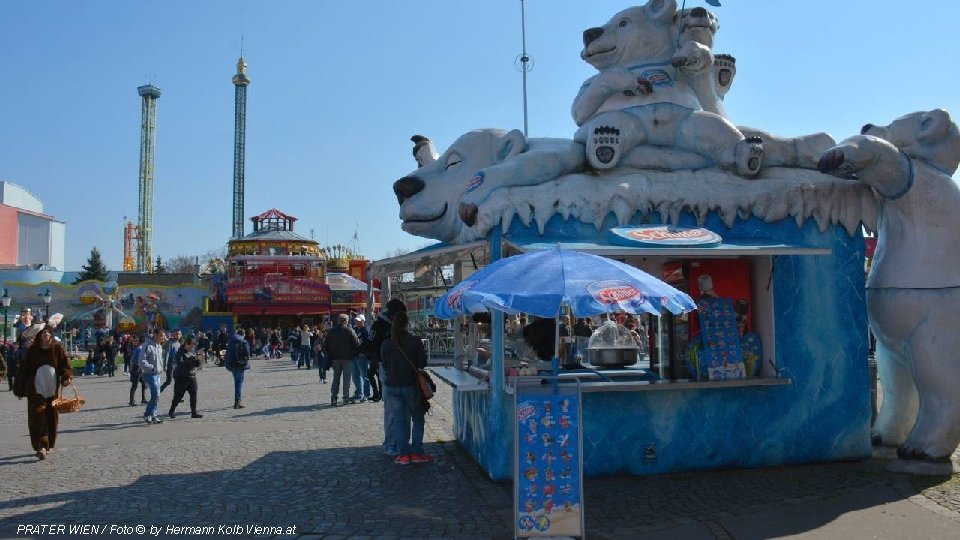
{"x": 548, "y": 487}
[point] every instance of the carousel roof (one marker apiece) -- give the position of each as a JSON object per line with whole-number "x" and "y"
{"x": 286, "y": 236}
{"x": 273, "y": 213}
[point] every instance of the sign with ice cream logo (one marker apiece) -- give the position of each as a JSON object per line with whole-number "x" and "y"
{"x": 664, "y": 236}
{"x": 616, "y": 294}
{"x": 548, "y": 472}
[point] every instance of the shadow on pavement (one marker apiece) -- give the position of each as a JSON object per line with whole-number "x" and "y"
{"x": 343, "y": 492}
{"x": 359, "y": 491}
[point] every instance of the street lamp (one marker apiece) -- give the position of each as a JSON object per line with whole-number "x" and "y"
{"x": 47, "y": 298}
{"x": 5, "y": 301}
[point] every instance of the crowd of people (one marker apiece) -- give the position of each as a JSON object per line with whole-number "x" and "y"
{"x": 369, "y": 363}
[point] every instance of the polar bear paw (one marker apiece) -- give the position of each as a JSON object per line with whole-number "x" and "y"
{"x": 747, "y": 156}
{"x": 917, "y": 453}
{"x": 603, "y": 147}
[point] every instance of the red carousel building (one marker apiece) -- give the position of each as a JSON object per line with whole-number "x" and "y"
{"x": 275, "y": 277}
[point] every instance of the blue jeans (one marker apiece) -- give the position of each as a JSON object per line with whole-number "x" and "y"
{"x": 238, "y": 384}
{"x": 390, "y": 443}
{"x": 304, "y": 356}
{"x": 404, "y": 400}
{"x": 153, "y": 383}
{"x": 361, "y": 385}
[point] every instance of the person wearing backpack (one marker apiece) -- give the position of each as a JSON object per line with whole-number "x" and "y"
{"x": 238, "y": 361}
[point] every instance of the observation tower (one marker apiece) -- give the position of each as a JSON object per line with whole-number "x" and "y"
{"x": 148, "y": 148}
{"x": 240, "y": 83}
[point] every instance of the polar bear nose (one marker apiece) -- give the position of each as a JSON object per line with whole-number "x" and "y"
{"x": 698, "y": 12}
{"x": 866, "y": 128}
{"x": 407, "y": 187}
{"x": 591, "y": 34}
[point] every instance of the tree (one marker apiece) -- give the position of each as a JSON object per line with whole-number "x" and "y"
{"x": 181, "y": 264}
{"x": 94, "y": 269}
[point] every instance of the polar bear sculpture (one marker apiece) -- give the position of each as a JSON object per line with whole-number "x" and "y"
{"x": 913, "y": 291}
{"x": 637, "y": 97}
{"x": 710, "y": 76}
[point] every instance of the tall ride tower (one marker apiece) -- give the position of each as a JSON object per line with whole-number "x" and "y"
{"x": 148, "y": 148}
{"x": 240, "y": 82}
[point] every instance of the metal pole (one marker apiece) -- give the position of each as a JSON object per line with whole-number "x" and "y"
{"x": 4, "y": 326}
{"x": 523, "y": 64}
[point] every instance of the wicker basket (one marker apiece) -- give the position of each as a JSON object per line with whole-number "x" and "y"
{"x": 64, "y": 405}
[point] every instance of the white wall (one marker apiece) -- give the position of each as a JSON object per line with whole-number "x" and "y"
{"x": 58, "y": 234}
{"x": 18, "y": 197}
{"x": 33, "y": 240}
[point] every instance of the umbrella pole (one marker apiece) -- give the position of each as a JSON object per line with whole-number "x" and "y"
{"x": 555, "y": 363}
{"x": 660, "y": 344}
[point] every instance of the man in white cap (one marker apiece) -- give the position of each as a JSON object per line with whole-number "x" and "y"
{"x": 361, "y": 364}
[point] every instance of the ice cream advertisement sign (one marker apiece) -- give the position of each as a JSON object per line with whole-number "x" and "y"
{"x": 548, "y": 494}
{"x": 664, "y": 236}
{"x": 616, "y": 294}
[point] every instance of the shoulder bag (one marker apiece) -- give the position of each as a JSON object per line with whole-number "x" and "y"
{"x": 426, "y": 384}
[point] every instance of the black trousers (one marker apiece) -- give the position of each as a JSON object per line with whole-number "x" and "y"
{"x": 373, "y": 375}
{"x": 133, "y": 389}
{"x": 181, "y": 386}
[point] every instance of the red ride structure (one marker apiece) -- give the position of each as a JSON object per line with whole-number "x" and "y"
{"x": 275, "y": 277}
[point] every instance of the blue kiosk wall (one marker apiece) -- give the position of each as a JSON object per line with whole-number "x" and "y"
{"x": 821, "y": 346}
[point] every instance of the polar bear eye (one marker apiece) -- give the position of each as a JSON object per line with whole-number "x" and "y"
{"x": 623, "y": 22}
{"x": 454, "y": 159}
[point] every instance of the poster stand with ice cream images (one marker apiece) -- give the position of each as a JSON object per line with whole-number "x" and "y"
{"x": 548, "y": 461}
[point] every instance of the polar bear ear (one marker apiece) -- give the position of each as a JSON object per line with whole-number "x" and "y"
{"x": 661, "y": 10}
{"x": 509, "y": 145}
{"x": 934, "y": 127}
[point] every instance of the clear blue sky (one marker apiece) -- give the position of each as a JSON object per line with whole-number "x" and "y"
{"x": 339, "y": 87}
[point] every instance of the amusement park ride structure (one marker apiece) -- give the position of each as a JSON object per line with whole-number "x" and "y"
{"x": 240, "y": 82}
{"x": 148, "y": 145}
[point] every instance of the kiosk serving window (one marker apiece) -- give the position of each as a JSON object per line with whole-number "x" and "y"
{"x": 732, "y": 335}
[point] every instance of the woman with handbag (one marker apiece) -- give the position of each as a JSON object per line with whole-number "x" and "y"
{"x": 46, "y": 365}
{"x": 403, "y": 357}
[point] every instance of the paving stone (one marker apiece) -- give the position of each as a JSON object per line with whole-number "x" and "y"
{"x": 291, "y": 459}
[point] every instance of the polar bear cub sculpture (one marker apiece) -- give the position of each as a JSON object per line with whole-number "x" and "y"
{"x": 637, "y": 97}
{"x": 913, "y": 291}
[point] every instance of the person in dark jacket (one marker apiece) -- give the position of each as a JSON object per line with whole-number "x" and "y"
{"x": 13, "y": 355}
{"x": 378, "y": 333}
{"x": 107, "y": 354}
{"x": 341, "y": 344}
{"x": 361, "y": 364}
{"x": 185, "y": 377}
{"x": 238, "y": 366}
{"x": 135, "y": 373}
{"x": 403, "y": 355}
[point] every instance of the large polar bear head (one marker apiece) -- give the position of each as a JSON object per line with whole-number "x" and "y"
{"x": 929, "y": 136}
{"x": 638, "y": 33}
{"x": 429, "y": 197}
{"x": 441, "y": 198}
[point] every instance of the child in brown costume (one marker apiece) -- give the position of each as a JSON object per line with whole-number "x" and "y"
{"x": 42, "y": 418}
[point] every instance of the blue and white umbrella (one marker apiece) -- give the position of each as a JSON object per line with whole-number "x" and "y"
{"x": 541, "y": 282}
